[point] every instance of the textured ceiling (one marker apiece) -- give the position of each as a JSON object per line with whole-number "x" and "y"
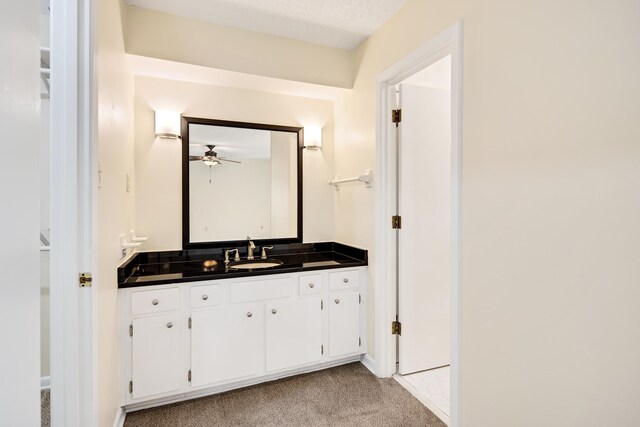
{"x": 337, "y": 23}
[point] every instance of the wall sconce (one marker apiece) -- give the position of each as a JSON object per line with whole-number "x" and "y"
{"x": 312, "y": 137}
{"x": 168, "y": 124}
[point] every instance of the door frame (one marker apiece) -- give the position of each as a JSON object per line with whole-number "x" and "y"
{"x": 73, "y": 213}
{"x": 447, "y": 42}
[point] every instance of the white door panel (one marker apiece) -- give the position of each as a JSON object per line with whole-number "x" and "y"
{"x": 424, "y": 242}
{"x": 344, "y": 323}
{"x": 156, "y": 366}
{"x": 225, "y": 343}
{"x": 294, "y": 332}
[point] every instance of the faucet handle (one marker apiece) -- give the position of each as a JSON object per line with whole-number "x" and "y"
{"x": 226, "y": 255}
{"x": 264, "y": 251}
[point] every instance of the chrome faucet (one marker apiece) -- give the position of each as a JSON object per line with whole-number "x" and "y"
{"x": 250, "y": 249}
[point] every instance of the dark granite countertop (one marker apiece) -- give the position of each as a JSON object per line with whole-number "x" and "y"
{"x": 157, "y": 268}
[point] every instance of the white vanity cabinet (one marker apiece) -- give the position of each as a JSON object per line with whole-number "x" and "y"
{"x": 225, "y": 343}
{"x": 293, "y": 332}
{"x": 192, "y": 339}
{"x": 155, "y": 337}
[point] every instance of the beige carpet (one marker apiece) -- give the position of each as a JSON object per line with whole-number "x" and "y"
{"x": 348, "y": 395}
{"x": 45, "y": 407}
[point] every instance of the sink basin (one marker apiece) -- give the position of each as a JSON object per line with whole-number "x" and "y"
{"x": 255, "y": 264}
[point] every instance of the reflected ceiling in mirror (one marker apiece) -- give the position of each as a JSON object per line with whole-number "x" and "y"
{"x": 240, "y": 180}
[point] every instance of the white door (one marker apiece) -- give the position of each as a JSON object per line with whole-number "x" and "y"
{"x": 155, "y": 365}
{"x": 225, "y": 343}
{"x": 424, "y": 241}
{"x": 294, "y": 332}
{"x": 344, "y": 323}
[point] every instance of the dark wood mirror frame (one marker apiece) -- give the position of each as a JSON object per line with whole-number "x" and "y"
{"x": 186, "y": 243}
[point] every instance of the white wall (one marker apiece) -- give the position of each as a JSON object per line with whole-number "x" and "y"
{"x": 161, "y": 35}
{"x": 158, "y": 162}
{"x": 550, "y": 202}
{"x": 115, "y": 205}
{"x": 20, "y": 219}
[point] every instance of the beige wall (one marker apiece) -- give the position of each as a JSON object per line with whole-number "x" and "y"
{"x": 158, "y": 161}
{"x": 160, "y": 35}
{"x": 550, "y": 202}
{"x": 115, "y": 205}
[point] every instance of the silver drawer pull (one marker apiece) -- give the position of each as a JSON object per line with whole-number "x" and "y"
{"x": 337, "y": 301}
{"x": 205, "y": 297}
{"x": 311, "y": 285}
{"x": 170, "y": 325}
{"x": 249, "y": 314}
{"x": 154, "y": 302}
{"x": 274, "y": 311}
{"x": 345, "y": 280}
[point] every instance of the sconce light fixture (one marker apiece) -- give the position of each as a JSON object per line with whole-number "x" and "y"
{"x": 168, "y": 124}
{"x": 312, "y": 137}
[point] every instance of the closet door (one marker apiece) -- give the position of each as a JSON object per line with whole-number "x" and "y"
{"x": 424, "y": 241}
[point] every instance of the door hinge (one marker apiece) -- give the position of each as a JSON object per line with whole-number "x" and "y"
{"x": 359, "y": 298}
{"x": 84, "y": 280}
{"x": 321, "y": 349}
{"x": 321, "y": 305}
{"x": 130, "y": 386}
{"x": 189, "y": 375}
{"x": 359, "y": 342}
{"x": 396, "y": 328}
{"x": 131, "y": 330}
{"x": 396, "y": 222}
{"x": 189, "y": 323}
{"x": 396, "y": 116}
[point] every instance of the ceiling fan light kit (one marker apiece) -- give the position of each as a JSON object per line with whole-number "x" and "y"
{"x": 211, "y": 158}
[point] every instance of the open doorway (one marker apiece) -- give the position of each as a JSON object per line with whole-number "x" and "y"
{"x": 423, "y": 145}
{"x": 418, "y": 258}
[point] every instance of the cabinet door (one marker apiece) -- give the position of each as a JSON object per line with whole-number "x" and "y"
{"x": 344, "y": 323}
{"x": 155, "y": 364}
{"x": 294, "y": 332}
{"x": 226, "y": 343}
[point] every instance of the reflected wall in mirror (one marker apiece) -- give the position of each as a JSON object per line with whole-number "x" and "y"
{"x": 240, "y": 179}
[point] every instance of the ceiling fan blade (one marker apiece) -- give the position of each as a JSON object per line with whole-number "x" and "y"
{"x": 222, "y": 159}
{"x": 192, "y": 158}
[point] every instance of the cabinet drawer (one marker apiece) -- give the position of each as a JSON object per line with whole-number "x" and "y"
{"x": 261, "y": 289}
{"x": 206, "y": 296}
{"x": 155, "y": 301}
{"x": 347, "y": 279}
{"x": 310, "y": 284}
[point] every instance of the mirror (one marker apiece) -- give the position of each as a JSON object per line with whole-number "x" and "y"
{"x": 240, "y": 179}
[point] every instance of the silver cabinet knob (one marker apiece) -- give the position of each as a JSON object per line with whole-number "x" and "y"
{"x": 249, "y": 314}
{"x": 337, "y": 301}
{"x": 154, "y": 302}
{"x": 274, "y": 311}
{"x": 345, "y": 280}
{"x": 311, "y": 285}
{"x": 170, "y": 325}
{"x": 205, "y": 297}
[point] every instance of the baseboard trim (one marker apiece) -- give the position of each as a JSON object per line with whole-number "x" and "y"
{"x": 369, "y": 363}
{"x": 208, "y": 391}
{"x": 45, "y": 382}
{"x": 119, "y": 419}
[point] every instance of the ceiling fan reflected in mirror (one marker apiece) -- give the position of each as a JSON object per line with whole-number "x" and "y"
{"x": 211, "y": 158}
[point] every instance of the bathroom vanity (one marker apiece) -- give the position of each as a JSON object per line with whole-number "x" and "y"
{"x": 191, "y": 325}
